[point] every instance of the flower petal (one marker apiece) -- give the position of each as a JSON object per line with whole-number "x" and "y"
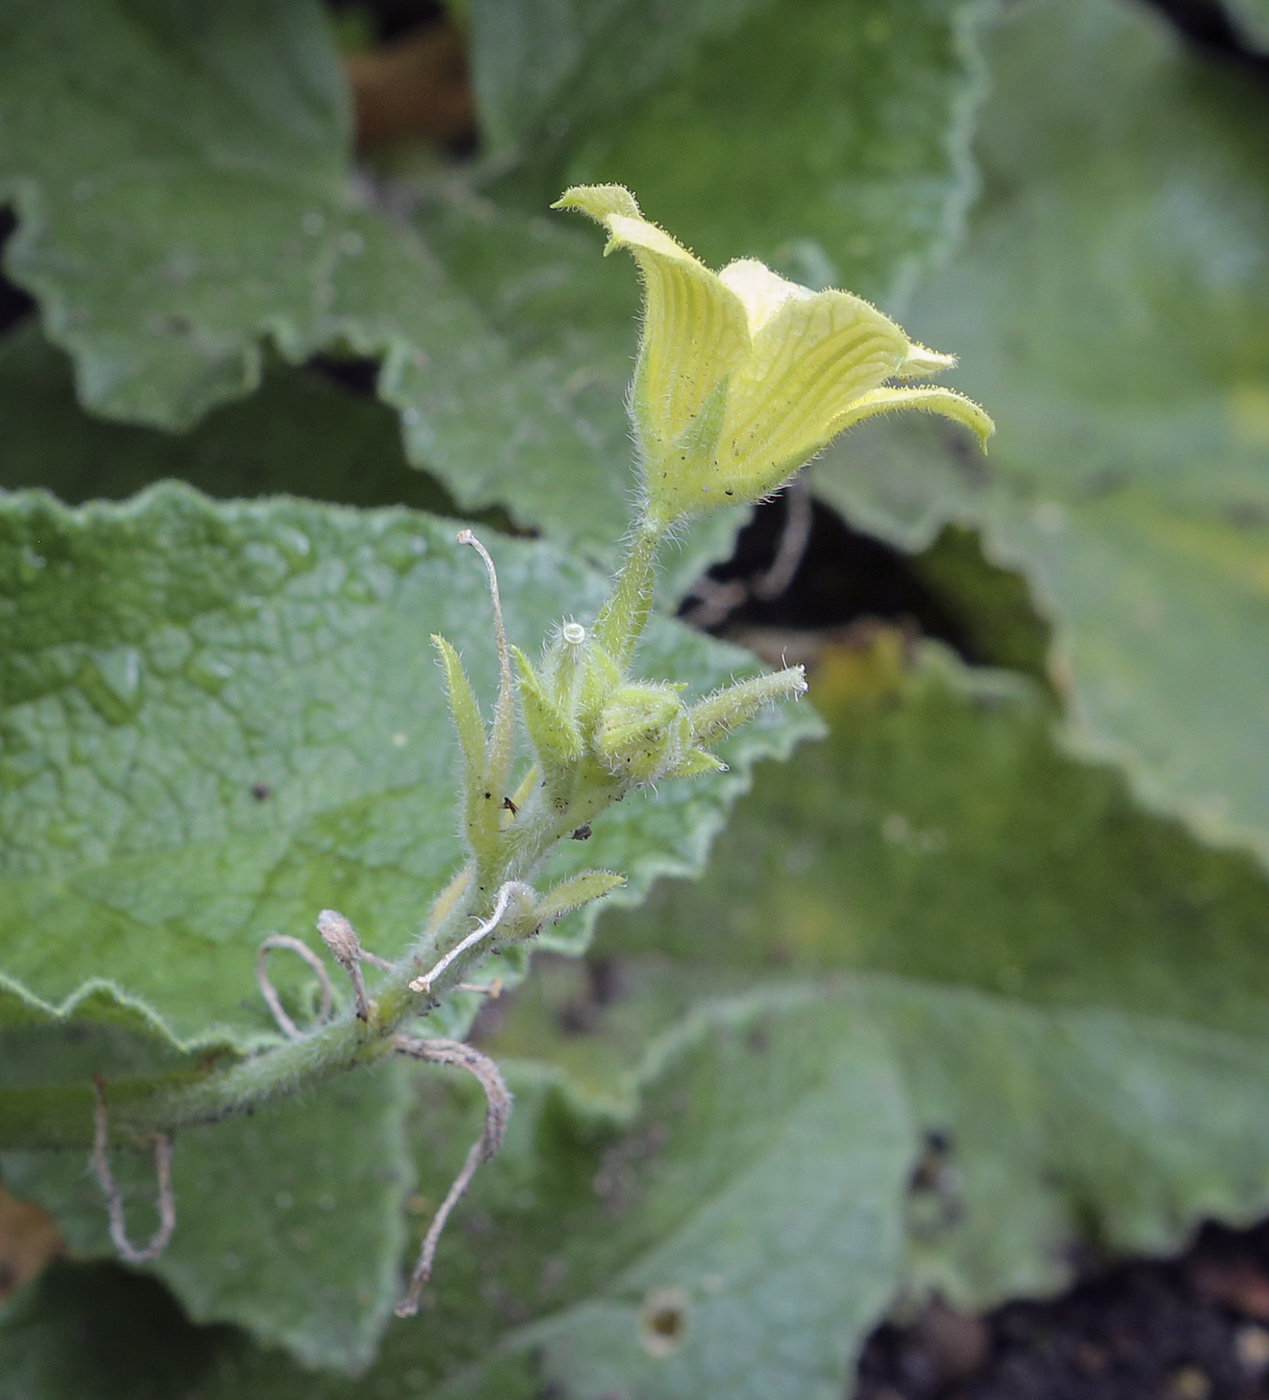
{"x": 928, "y": 400}
{"x": 599, "y": 201}
{"x": 922, "y": 361}
{"x": 762, "y": 291}
{"x": 695, "y": 329}
{"x": 809, "y": 362}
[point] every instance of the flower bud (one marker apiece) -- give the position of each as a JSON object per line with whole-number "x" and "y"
{"x": 643, "y": 732}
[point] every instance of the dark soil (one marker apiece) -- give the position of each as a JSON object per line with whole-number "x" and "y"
{"x": 1194, "y": 1328}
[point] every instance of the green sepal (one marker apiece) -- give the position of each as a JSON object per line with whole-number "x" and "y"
{"x": 575, "y": 892}
{"x": 600, "y": 677}
{"x": 643, "y": 732}
{"x": 696, "y": 763}
{"x": 555, "y": 736}
{"x": 719, "y": 714}
{"x": 470, "y": 726}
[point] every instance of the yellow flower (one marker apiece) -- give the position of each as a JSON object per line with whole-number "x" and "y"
{"x": 743, "y": 377}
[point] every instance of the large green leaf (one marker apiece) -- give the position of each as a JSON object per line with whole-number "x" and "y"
{"x": 219, "y": 719}
{"x": 939, "y": 835}
{"x": 184, "y": 192}
{"x": 759, "y": 1198}
{"x": 1112, "y": 312}
{"x": 945, "y": 837}
{"x": 290, "y": 1223}
{"x": 1048, "y": 1131}
{"x": 183, "y": 184}
{"x": 828, "y": 138}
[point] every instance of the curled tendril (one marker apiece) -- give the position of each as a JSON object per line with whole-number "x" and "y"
{"x": 497, "y": 1111}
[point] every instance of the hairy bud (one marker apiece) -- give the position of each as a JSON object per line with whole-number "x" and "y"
{"x": 643, "y": 732}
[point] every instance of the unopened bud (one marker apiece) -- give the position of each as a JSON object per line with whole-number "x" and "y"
{"x": 643, "y": 732}
{"x": 340, "y": 937}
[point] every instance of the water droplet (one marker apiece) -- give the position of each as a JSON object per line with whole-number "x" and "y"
{"x": 358, "y": 590}
{"x": 111, "y": 683}
{"x": 402, "y": 552}
{"x": 294, "y": 544}
{"x": 209, "y": 673}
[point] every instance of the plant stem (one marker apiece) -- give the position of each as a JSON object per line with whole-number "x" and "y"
{"x": 623, "y": 617}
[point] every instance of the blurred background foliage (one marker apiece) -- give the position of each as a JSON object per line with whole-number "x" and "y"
{"x": 972, "y": 989}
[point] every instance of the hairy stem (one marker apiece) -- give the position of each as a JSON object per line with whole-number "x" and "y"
{"x": 623, "y": 617}
{"x": 344, "y": 1044}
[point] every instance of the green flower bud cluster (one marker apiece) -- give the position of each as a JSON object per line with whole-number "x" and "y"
{"x": 597, "y": 733}
{"x": 587, "y": 722}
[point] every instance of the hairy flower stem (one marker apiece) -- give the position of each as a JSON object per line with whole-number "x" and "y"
{"x": 624, "y": 616}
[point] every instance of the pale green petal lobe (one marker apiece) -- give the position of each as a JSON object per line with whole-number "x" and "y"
{"x": 922, "y": 361}
{"x": 762, "y": 291}
{"x": 932, "y": 400}
{"x": 695, "y": 328}
{"x": 599, "y": 201}
{"x": 812, "y": 359}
